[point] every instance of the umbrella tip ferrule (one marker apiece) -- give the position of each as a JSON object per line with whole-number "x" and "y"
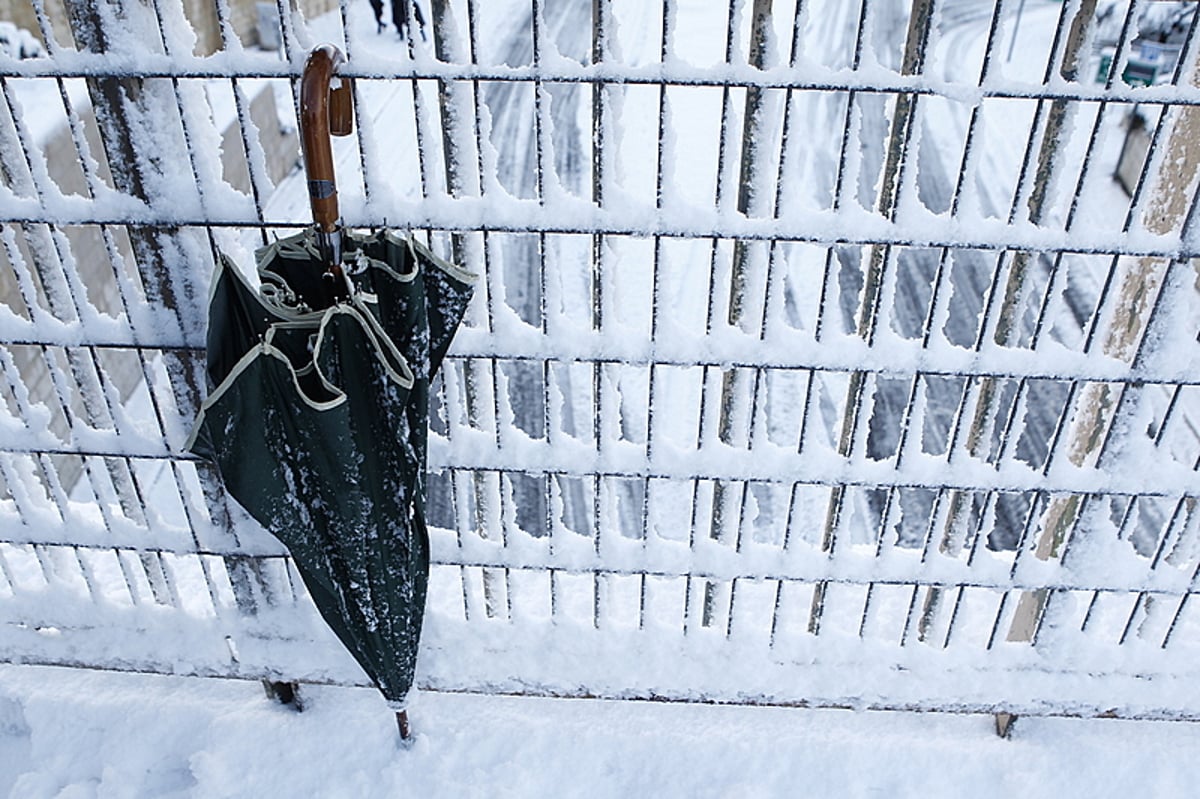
{"x": 404, "y": 728}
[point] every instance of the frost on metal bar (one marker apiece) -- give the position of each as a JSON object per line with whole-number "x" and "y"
{"x": 827, "y": 353}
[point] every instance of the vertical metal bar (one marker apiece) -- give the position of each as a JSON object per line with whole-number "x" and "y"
{"x": 1170, "y": 532}
{"x": 687, "y": 605}
{"x": 788, "y": 524}
{"x": 18, "y": 490}
{"x": 774, "y": 614}
{"x": 251, "y": 145}
{"x": 54, "y": 488}
{"x": 953, "y": 616}
{"x": 999, "y": 617}
{"x": 775, "y": 246}
{"x": 255, "y": 155}
{"x": 1121, "y": 55}
{"x": 649, "y": 451}
{"x": 886, "y": 521}
{"x": 642, "y": 603}
{"x": 1087, "y": 616}
{"x": 425, "y": 170}
{"x": 543, "y": 128}
{"x": 1178, "y": 615}
{"x": 1101, "y": 303}
{"x": 733, "y": 584}
{"x": 118, "y": 102}
{"x": 750, "y": 193}
{"x": 1187, "y": 51}
{"x": 656, "y": 278}
{"x": 1033, "y": 187}
{"x": 1095, "y": 411}
{"x": 723, "y": 146}
{"x": 804, "y": 412}
{"x": 987, "y": 520}
{"x": 1085, "y": 167}
{"x": 1127, "y": 517}
{"x": 866, "y": 609}
{"x": 919, "y": 28}
{"x": 1015, "y": 411}
{"x": 847, "y": 127}
{"x": 89, "y": 577}
{"x": 1055, "y": 286}
{"x": 364, "y": 164}
{"x": 914, "y": 395}
{"x": 601, "y": 13}
{"x": 664, "y": 53}
{"x": 910, "y": 615}
{"x": 5, "y": 569}
{"x": 941, "y": 517}
{"x": 596, "y": 599}
{"x": 61, "y": 288}
{"x": 598, "y": 438}
{"x": 823, "y": 300}
{"x": 701, "y": 439}
{"x": 1139, "y": 196}
{"x": 1039, "y": 498}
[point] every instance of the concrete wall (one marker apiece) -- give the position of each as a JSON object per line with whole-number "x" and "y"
{"x": 91, "y": 257}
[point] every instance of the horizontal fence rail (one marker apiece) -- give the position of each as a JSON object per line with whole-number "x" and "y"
{"x": 822, "y": 353}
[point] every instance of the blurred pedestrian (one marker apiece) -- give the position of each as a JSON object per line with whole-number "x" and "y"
{"x": 377, "y": 7}
{"x": 400, "y": 17}
{"x": 402, "y": 12}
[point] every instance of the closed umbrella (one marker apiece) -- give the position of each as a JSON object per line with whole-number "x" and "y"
{"x": 317, "y": 416}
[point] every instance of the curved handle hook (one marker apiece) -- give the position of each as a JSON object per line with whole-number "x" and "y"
{"x": 326, "y": 109}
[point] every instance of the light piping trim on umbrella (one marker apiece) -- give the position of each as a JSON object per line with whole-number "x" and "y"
{"x": 393, "y": 361}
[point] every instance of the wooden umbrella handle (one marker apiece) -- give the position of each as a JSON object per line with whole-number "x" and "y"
{"x": 325, "y": 109}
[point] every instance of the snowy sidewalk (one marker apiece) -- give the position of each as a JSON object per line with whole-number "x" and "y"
{"x": 74, "y": 734}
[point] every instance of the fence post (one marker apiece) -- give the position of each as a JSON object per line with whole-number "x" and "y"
{"x": 1169, "y": 208}
{"x": 913, "y": 62}
{"x": 734, "y": 381}
{"x": 121, "y": 103}
{"x": 1045, "y": 172}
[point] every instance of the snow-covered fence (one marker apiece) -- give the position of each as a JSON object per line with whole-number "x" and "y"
{"x": 817, "y": 358}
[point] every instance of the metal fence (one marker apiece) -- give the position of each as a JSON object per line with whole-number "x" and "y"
{"x": 817, "y": 357}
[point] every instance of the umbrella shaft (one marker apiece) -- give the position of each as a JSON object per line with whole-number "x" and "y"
{"x": 330, "y": 244}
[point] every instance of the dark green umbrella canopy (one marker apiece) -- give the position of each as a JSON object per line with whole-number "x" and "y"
{"x": 317, "y": 419}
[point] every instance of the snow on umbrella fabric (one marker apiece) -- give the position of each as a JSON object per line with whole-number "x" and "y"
{"x": 318, "y": 421}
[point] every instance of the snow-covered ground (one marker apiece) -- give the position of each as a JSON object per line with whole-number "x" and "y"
{"x": 76, "y": 735}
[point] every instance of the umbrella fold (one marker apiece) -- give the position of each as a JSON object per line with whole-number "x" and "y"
{"x": 317, "y": 419}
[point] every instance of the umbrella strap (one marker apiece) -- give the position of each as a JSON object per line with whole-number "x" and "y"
{"x": 423, "y": 255}
{"x": 394, "y": 362}
{"x": 419, "y": 255}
